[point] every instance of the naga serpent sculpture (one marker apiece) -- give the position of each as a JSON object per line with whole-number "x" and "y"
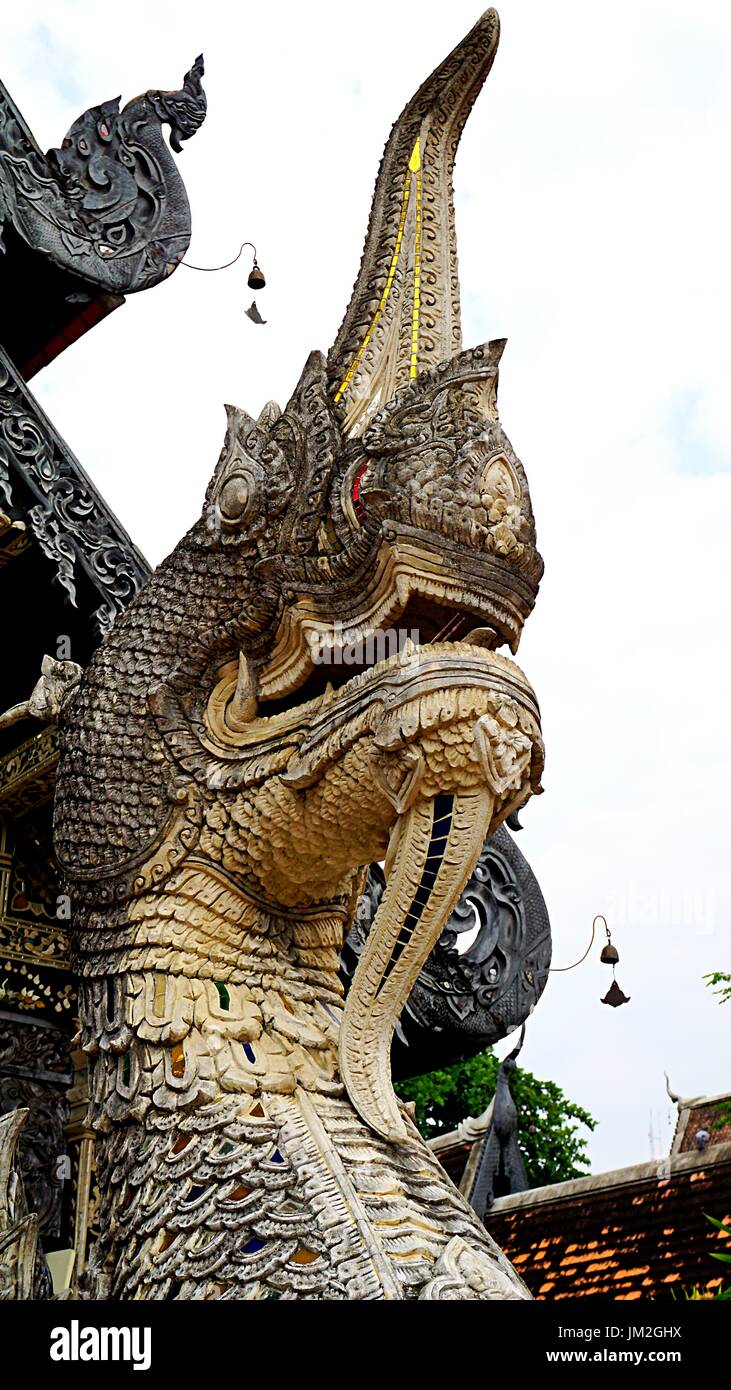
{"x": 230, "y": 767}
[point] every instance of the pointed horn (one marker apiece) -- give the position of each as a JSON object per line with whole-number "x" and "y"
{"x": 434, "y": 848}
{"x": 242, "y": 707}
{"x": 404, "y": 314}
{"x": 518, "y": 1046}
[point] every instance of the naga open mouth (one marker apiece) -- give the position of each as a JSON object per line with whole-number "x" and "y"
{"x": 338, "y": 654}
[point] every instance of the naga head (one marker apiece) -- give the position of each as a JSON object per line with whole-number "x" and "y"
{"x": 387, "y": 493}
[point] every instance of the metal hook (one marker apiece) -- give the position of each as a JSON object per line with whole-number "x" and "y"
{"x": 561, "y": 969}
{"x": 226, "y": 264}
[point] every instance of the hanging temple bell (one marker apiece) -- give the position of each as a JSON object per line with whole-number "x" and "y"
{"x": 610, "y": 956}
{"x": 256, "y": 279}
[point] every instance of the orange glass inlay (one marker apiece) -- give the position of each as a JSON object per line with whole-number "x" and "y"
{"x": 239, "y": 1193}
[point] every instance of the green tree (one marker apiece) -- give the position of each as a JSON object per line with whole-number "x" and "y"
{"x": 720, "y": 982}
{"x": 549, "y": 1124}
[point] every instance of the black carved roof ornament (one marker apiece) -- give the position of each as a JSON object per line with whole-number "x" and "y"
{"x": 498, "y": 1168}
{"x": 103, "y": 215}
{"x": 109, "y": 203}
{"x": 45, "y": 493}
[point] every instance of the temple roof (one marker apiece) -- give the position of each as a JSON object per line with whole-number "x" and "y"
{"x": 635, "y": 1232}
{"x": 67, "y": 565}
{"x": 709, "y": 1113}
{"x": 639, "y": 1232}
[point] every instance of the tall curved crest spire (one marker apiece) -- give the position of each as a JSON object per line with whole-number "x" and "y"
{"x": 404, "y": 313}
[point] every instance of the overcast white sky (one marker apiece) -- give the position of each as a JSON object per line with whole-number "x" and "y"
{"x": 593, "y": 224}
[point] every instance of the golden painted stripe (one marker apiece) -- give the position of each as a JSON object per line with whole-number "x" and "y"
{"x": 417, "y": 268}
{"x": 414, "y": 167}
{"x": 405, "y": 1226}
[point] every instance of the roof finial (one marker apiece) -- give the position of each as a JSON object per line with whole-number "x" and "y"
{"x": 677, "y": 1100}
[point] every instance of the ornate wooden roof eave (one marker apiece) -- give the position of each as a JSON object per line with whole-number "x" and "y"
{"x": 104, "y": 215}
{"x": 109, "y": 204}
{"x": 43, "y": 482}
{"x": 28, "y": 772}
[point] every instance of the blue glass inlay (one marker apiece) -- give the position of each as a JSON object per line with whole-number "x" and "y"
{"x": 253, "y": 1246}
{"x": 248, "y": 1049}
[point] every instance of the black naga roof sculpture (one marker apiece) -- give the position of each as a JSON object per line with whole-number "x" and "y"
{"x": 104, "y": 215}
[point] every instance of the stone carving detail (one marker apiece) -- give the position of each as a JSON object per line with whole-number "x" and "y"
{"x": 23, "y": 1271}
{"x": 464, "y": 1274}
{"x": 68, "y": 518}
{"x": 33, "y": 881}
{"x": 404, "y": 313}
{"x": 57, "y": 681}
{"x": 14, "y": 539}
{"x": 35, "y": 1048}
{"x": 495, "y": 1165}
{"x": 35, "y": 1072}
{"x": 219, "y": 801}
{"x": 109, "y": 204}
{"x": 34, "y": 941}
{"x": 42, "y": 1143}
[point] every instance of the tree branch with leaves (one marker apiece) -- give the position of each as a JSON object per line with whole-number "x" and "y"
{"x": 549, "y": 1124}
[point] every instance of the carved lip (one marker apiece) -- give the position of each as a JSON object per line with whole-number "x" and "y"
{"x": 417, "y": 587}
{"x": 388, "y": 692}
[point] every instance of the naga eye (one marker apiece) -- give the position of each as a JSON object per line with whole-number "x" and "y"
{"x": 355, "y": 492}
{"x": 235, "y": 498}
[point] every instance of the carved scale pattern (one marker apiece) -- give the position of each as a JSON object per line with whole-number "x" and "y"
{"x": 249, "y": 1206}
